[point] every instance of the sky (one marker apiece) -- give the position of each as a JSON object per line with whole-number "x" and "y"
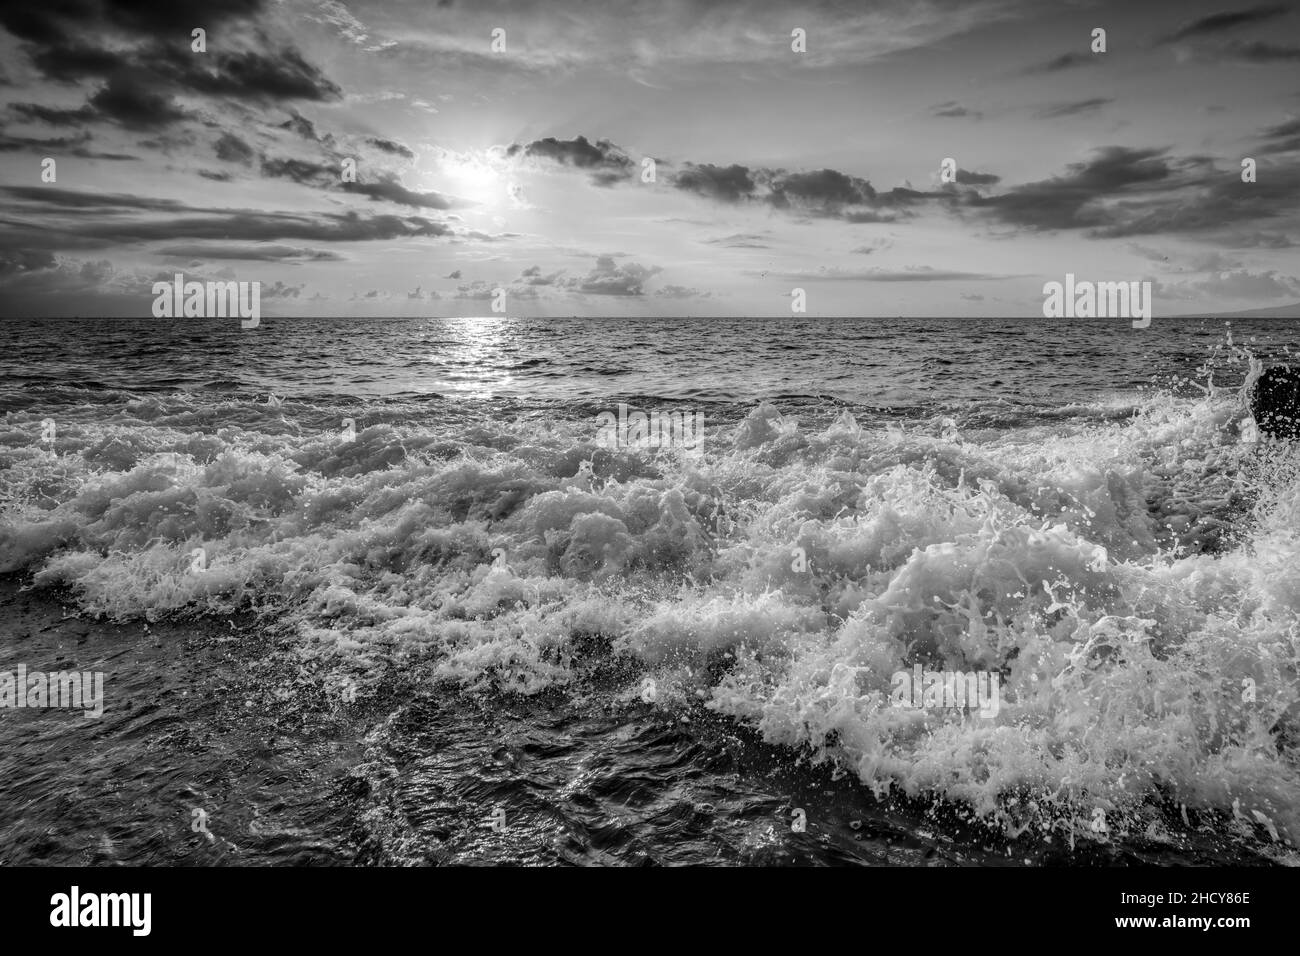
{"x": 678, "y": 158}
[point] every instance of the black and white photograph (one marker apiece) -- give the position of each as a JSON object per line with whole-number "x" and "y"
{"x": 693, "y": 434}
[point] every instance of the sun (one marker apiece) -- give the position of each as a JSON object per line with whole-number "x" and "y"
{"x": 473, "y": 178}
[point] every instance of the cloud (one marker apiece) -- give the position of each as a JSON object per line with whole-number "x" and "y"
{"x": 133, "y": 50}
{"x": 722, "y": 183}
{"x": 300, "y": 171}
{"x": 1221, "y": 22}
{"x": 609, "y": 277}
{"x": 1071, "y": 201}
{"x": 1261, "y": 52}
{"x": 952, "y": 109}
{"x": 1066, "y": 61}
{"x": 63, "y": 145}
{"x": 299, "y": 124}
{"x": 1243, "y": 284}
{"x": 476, "y": 290}
{"x": 1258, "y": 239}
{"x": 533, "y": 276}
{"x": 281, "y": 291}
{"x": 740, "y": 240}
{"x": 822, "y": 193}
{"x": 606, "y": 162}
{"x": 59, "y": 220}
{"x": 824, "y": 190}
{"x": 255, "y": 253}
{"x": 14, "y": 261}
{"x": 392, "y": 191}
{"x": 681, "y": 292}
{"x": 326, "y": 176}
{"x": 389, "y": 146}
{"x": 231, "y": 149}
{"x": 967, "y": 178}
{"x": 876, "y": 245}
{"x": 1285, "y": 136}
{"x": 907, "y": 274}
{"x": 1073, "y": 109}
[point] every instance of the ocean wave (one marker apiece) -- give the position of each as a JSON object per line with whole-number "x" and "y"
{"x": 1132, "y": 580}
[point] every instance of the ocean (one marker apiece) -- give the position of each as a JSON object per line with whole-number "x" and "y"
{"x": 384, "y": 591}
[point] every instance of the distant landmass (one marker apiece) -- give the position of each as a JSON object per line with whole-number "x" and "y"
{"x": 1291, "y": 311}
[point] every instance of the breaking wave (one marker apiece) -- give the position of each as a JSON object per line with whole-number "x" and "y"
{"x": 1131, "y": 575}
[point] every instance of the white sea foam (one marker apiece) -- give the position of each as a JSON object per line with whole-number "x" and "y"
{"x": 1134, "y": 584}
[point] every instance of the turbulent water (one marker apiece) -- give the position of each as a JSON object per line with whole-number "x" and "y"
{"x": 1073, "y": 509}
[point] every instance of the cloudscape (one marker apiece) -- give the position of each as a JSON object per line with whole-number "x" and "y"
{"x": 684, "y": 158}
{"x": 649, "y": 434}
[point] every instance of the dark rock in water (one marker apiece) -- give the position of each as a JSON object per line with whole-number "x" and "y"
{"x": 1275, "y": 403}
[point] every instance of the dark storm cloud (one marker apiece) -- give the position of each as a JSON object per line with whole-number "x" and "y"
{"x": 1221, "y": 22}
{"x": 606, "y": 162}
{"x": 1073, "y": 109}
{"x": 1065, "y": 61}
